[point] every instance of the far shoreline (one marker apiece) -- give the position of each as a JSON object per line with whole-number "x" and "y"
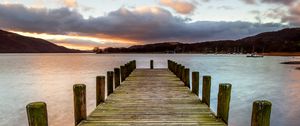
{"x": 264, "y": 54}
{"x": 281, "y": 54}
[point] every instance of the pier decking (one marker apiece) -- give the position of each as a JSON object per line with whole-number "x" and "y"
{"x": 152, "y": 97}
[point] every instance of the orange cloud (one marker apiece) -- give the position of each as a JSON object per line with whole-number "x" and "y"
{"x": 81, "y": 42}
{"x": 70, "y": 3}
{"x": 180, "y": 6}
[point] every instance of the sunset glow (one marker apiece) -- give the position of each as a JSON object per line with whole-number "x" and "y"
{"x": 62, "y": 40}
{"x": 82, "y": 24}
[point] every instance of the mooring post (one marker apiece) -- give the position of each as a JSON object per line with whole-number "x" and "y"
{"x": 261, "y": 113}
{"x": 100, "y": 89}
{"x": 79, "y": 91}
{"x": 169, "y": 64}
{"x": 151, "y": 64}
{"x": 175, "y": 69}
{"x": 134, "y": 64}
{"x": 122, "y": 68}
{"x": 37, "y": 114}
{"x": 172, "y": 66}
{"x": 195, "y": 82}
{"x": 187, "y": 77}
{"x": 117, "y": 77}
{"x": 182, "y": 73}
{"x": 130, "y": 67}
{"x": 126, "y": 70}
{"x": 179, "y": 71}
{"x": 224, "y": 101}
{"x": 206, "y": 85}
{"x": 110, "y": 79}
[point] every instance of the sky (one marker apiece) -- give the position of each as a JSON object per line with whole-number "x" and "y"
{"x": 85, "y": 24}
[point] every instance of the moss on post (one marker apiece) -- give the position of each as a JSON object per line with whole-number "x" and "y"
{"x": 224, "y": 102}
{"x": 206, "y": 87}
{"x": 117, "y": 77}
{"x": 37, "y": 114}
{"x": 100, "y": 89}
{"x": 79, "y": 91}
{"x": 261, "y": 113}
{"x": 195, "y": 82}
{"x": 110, "y": 82}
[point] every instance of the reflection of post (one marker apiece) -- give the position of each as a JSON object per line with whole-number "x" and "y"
{"x": 37, "y": 114}
{"x": 261, "y": 112}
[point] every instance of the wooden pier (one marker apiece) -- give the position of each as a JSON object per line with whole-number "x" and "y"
{"x": 151, "y": 97}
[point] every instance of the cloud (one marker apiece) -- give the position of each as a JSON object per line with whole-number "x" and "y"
{"x": 293, "y": 18}
{"x": 224, "y": 7}
{"x": 70, "y": 3}
{"x": 285, "y": 2}
{"x": 180, "y": 6}
{"x": 249, "y": 1}
{"x": 145, "y": 24}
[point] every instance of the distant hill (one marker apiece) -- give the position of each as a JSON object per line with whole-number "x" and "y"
{"x": 286, "y": 40}
{"x": 14, "y": 43}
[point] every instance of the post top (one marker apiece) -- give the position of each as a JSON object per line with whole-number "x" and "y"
{"x": 225, "y": 85}
{"x": 79, "y": 86}
{"x": 206, "y": 76}
{"x": 39, "y": 104}
{"x": 101, "y": 77}
{"x": 263, "y": 102}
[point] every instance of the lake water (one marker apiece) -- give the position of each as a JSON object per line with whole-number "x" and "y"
{"x": 25, "y": 78}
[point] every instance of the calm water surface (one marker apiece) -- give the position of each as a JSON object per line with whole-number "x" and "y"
{"x": 49, "y": 77}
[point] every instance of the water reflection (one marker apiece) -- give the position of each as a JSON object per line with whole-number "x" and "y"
{"x": 49, "y": 77}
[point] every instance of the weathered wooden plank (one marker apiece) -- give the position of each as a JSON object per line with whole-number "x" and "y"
{"x": 152, "y": 97}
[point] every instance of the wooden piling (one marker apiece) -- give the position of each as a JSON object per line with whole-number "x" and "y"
{"x": 37, "y": 114}
{"x": 110, "y": 79}
{"x": 126, "y": 70}
{"x": 117, "y": 77}
{"x": 100, "y": 89}
{"x": 122, "y": 68}
{"x": 187, "y": 77}
{"x": 224, "y": 101}
{"x": 261, "y": 113}
{"x": 179, "y": 70}
{"x": 195, "y": 82}
{"x": 206, "y": 87}
{"x": 151, "y": 64}
{"x": 176, "y": 69}
{"x": 182, "y": 73}
{"x": 79, "y": 91}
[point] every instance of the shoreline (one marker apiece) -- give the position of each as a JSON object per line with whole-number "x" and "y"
{"x": 280, "y": 54}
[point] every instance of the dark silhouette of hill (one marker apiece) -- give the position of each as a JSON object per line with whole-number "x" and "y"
{"x": 14, "y": 43}
{"x": 286, "y": 40}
